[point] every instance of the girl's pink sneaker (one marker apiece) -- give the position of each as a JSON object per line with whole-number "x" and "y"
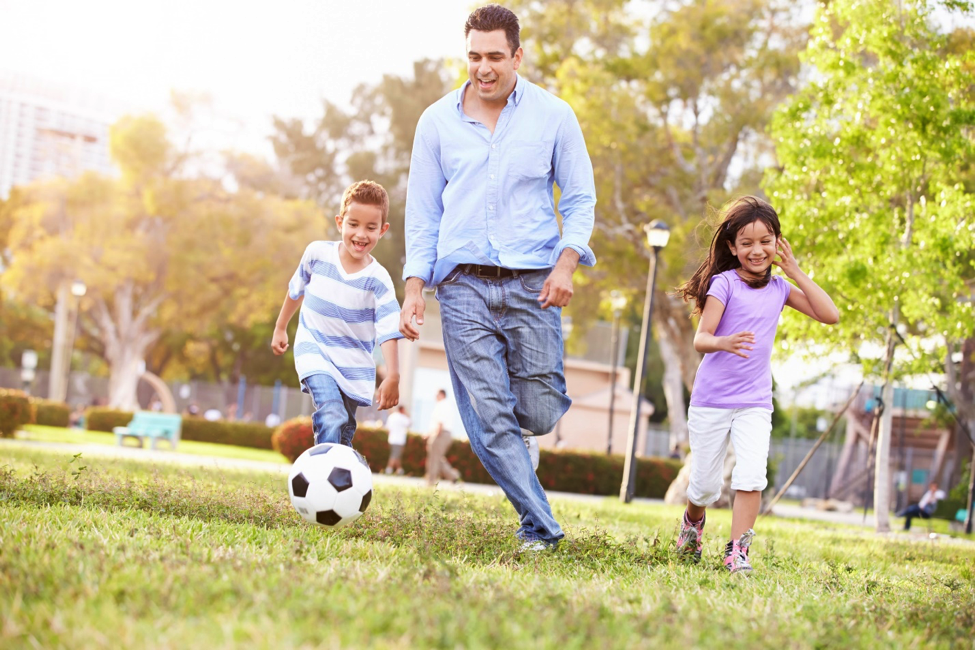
{"x": 736, "y": 557}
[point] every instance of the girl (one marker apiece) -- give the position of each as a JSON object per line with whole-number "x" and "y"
{"x": 739, "y": 301}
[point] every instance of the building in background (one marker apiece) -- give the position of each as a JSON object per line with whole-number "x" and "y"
{"x": 48, "y": 130}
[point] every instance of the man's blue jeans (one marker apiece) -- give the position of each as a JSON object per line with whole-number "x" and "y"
{"x": 334, "y": 416}
{"x": 505, "y": 358}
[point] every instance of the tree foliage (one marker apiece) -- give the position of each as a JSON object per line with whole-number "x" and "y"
{"x": 874, "y": 184}
{"x": 160, "y": 254}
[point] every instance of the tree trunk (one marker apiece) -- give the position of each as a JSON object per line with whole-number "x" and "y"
{"x": 881, "y": 484}
{"x": 126, "y": 336}
{"x": 673, "y": 392}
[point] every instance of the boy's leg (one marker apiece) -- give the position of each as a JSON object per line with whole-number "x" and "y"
{"x": 349, "y": 428}
{"x": 331, "y": 416}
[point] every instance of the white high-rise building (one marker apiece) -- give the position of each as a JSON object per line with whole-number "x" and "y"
{"x": 48, "y": 130}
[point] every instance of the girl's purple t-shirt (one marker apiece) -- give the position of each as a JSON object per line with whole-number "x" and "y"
{"x": 725, "y": 380}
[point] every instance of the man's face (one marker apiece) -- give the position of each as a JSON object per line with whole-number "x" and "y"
{"x": 490, "y": 64}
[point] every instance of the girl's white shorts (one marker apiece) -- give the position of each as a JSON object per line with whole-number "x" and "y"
{"x": 709, "y": 429}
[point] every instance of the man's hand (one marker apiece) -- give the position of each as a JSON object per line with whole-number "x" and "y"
{"x": 413, "y": 306}
{"x": 738, "y": 343}
{"x": 388, "y": 394}
{"x": 279, "y": 341}
{"x": 557, "y": 290}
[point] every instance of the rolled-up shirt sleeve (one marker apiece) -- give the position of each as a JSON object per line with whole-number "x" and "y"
{"x": 577, "y": 205}
{"x": 424, "y": 202}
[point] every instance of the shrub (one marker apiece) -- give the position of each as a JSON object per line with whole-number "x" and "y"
{"x": 242, "y": 434}
{"x": 51, "y": 413}
{"x": 293, "y": 437}
{"x": 100, "y": 418}
{"x": 564, "y": 471}
{"x": 16, "y": 410}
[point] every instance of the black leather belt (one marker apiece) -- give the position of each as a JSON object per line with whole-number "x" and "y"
{"x": 484, "y": 271}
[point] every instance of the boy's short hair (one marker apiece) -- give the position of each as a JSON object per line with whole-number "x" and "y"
{"x": 493, "y": 17}
{"x": 366, "y": 193}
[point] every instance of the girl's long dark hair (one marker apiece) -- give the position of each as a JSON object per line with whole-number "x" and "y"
{"x": 736, "y": 215}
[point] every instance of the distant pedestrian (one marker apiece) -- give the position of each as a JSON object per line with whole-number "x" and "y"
{"x": 923, "y": 508}
{"x": 398, "y": 423}
{"x": 740, "y": 303}
{"x": 439, "y": 438}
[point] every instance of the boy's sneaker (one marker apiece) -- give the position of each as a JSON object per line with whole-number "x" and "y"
{"x": 736, "y": 554}
{"x": 690, "y": 540}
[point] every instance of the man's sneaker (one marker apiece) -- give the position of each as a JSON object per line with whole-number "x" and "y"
{"x": 736, "y": 554}
{"x": 690, "y": 539}
{"x": 532, "y": 445}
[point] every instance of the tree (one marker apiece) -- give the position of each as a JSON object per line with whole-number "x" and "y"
{"x": 373, "y": 140}
{"x": 159, "y": 252}
{"x": 667, "y": 104}
{"x": 872, "y": 187}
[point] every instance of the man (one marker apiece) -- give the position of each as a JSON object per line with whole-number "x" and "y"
{"x": 438, "y": 442}
{"x": 923, "y": 508}
{"x": 481, "y": 228}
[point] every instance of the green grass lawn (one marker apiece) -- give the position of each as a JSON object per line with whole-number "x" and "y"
{"x": 81, "y": 436}
{"x": 107, "y": 553}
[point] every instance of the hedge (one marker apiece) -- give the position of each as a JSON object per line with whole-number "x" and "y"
{"x": 242, "y": 434}
{"x": 51, "y": 413}
{"x": 16, "y": 410}
{"x": 564, "y": 471}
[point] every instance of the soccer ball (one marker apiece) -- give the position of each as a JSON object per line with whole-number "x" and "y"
{"x": 330, "y": 485}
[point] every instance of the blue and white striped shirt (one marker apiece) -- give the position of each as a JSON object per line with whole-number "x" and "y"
{"x": 342, "y": 319}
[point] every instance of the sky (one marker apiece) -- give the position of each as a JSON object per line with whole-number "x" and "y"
{"x": 254, "y": 58}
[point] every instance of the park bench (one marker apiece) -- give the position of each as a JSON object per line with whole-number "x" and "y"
{"x": 152, "y": 425}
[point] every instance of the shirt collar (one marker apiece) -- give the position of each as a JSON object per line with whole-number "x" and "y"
{"x": 515, "y": 97}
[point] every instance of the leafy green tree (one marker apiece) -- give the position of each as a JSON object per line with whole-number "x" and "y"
{"x": 874, "y": 188}
{"x": 161, "y": 253}
{"x": 373, "y": 140}
{"x": 668, "y": 98}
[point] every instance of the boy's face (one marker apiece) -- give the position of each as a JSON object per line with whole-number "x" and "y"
{"x": 755, "y": 248}
{"x": 361, "y": 228}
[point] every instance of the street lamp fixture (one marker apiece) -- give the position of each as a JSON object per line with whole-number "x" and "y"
{"x": 78, "y": 289}
{"x": 658, "y": 234}
{"x": 618, "y": 303}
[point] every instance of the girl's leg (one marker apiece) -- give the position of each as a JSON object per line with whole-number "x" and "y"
{"x": 695, "y": 512}
{"x": 745, "y": 512}
{"x": 751, "y": 430}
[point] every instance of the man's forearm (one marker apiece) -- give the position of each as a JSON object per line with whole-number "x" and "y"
{"x": 568, "y": 260}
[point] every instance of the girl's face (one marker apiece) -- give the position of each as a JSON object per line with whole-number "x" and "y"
{"x": 755, "y": 248}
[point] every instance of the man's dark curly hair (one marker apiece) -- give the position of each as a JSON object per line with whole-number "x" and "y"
{"x": 493, "y": 17}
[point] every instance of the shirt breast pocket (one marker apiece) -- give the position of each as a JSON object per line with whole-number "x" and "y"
{"x": 530, "y": 160}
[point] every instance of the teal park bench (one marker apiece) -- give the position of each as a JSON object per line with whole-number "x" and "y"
{"x": 152, "y": 425}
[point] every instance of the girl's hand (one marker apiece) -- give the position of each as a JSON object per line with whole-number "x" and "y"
{"x": 738, "y": 343}
{"x": 786, "y": 259}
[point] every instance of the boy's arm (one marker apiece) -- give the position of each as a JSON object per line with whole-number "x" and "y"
{"x": 388, "y": 396}
{"x": 279, "y": 341}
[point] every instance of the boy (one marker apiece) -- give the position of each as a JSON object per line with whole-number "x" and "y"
{"x": 348, "y": 305}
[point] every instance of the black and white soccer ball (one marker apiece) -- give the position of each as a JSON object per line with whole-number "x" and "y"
{"x": 330, "y": 485}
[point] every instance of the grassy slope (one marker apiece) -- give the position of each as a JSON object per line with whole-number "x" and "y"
{"x": 130, "y": 555}
{"x": 81, "y": 436}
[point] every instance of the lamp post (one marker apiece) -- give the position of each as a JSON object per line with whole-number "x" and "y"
{"x": 618, "y": 302}
{"x": 657, "y": 235}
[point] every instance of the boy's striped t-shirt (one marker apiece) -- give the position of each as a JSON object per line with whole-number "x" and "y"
{"x": 343, "y": 318}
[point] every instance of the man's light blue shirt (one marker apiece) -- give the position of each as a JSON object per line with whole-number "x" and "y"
{"x": 480, "y": 198}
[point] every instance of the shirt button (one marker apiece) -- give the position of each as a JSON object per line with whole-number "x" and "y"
{"x": 490, "y": 207}
{"x": 492, "y": 175}
{"x": 494, "y": 146}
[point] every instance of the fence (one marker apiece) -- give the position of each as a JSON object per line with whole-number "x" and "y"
{"x": 236, "y": 401}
